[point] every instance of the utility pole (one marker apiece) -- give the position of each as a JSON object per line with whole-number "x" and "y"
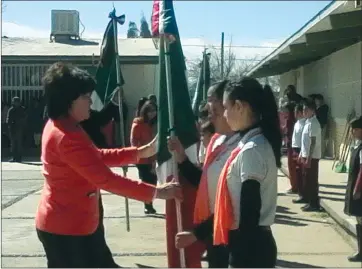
{"x": 222, "y": 56}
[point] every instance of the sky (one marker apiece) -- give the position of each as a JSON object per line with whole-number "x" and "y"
{"x": 245, "y": 23}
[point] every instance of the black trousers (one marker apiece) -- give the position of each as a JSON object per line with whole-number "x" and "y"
{"x": 105, "y": 255}
{"x": 16, "y": 141}
{"x": 146, "y": 175}
{"x": 217, "y": 256}
{"x": 66, "y": 251}
{"x": 252, "y": 249}
{"x": 90, "y": 251}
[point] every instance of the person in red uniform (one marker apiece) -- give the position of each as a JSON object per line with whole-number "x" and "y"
{"x": 75, "y": 170}
{"x": 142, "y": 134}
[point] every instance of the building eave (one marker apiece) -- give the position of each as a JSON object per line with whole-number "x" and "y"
{"x": 335, "y": 27}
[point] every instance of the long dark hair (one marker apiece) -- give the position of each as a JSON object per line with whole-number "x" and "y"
{"x": 147, "y": 107}
{"x": 262, "y": 102}
{"x": 140, "y": 104}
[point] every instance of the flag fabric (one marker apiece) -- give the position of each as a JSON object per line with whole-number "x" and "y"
{"x": 164, "y": 24}
{"x": 106, "y": 75}
{"x": 202, "y": 85}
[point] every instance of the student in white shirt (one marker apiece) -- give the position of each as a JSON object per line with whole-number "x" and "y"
{"x": 310, "y": 155}
{"x": 246, "y": 197}
{"x": 206, "y": 179}
{"x": 295, "y": 169}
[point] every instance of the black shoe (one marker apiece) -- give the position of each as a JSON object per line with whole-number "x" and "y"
{"x": 310, "y": 208}
{"x": 355, "y": 258}
{"x": 150, "y": 210}
{"x": 300, "y": 200}
{"x": 204, "y": 257}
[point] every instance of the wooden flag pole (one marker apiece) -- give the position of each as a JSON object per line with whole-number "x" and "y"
{"x": 120, "y": 109}
{"x": 165, "y": 42}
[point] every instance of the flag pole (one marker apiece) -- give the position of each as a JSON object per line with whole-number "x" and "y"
{"x": 204, "y": 75}
{"x": 120, "y": 108}
{"x": 164, "y": 41}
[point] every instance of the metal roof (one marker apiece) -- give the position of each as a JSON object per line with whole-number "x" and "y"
{"x": 15, "y": 46}
{"x": 335, "y": 27}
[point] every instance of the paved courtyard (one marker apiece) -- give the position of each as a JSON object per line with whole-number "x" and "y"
{"x": 304, "y": 239}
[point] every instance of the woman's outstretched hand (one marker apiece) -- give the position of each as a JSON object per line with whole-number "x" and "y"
{"x": 148, "y": 150}
{"x": 168, "y": 191}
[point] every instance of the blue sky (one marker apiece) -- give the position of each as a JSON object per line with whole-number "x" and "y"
{"x": 247, "y": 22}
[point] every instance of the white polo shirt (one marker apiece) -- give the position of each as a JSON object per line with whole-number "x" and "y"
{"x": 256, "y": 161}
{"x": 297, "y": 133}
{"x": 311, "y": 129}
{"x": 215, "y": 168}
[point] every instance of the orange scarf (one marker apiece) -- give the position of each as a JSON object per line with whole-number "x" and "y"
{"x": 202, "y": 206}
{"x": 224, "y": 213}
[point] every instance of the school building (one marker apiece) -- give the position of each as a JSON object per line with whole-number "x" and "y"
{"x": 25, "y": 60}
{"x": 324, "y": 56}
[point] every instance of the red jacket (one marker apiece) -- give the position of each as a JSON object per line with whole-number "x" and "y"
{"x": 75, "y": 170}
{"x": 141, "y": 134}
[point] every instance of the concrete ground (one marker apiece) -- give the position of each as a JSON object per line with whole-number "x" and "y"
{"x": 304, "y": 239}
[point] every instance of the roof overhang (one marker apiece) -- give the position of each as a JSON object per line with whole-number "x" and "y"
{"x": 78, "y": 59}
{"x": 337, "y": 26}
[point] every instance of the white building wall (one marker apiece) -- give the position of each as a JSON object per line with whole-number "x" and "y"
{"x": 140, "y": 81}
{"x": 338, "y": 77}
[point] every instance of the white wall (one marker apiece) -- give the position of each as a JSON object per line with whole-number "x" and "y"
{"x": 140, "y": 81}
{"x": 338, "y": 78}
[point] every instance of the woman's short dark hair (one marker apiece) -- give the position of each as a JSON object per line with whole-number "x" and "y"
{"x": 62, "y": 85}
{"x": 262, "y": 102}
{"x": 147, "y": 107}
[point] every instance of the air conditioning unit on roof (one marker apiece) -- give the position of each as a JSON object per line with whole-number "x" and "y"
{"x": 65, "y": 23}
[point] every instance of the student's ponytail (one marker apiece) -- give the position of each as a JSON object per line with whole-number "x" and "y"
{"x": 270, "y": 123}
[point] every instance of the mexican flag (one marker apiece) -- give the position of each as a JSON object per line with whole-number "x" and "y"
{"x": 164, "y": 26}
{"x": 202, "y": 85}
{"x": 106, "y": 75}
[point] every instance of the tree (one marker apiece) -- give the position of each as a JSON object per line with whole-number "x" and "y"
{"x": 233, "y": 69}
{"x": 144, "y": 28}
{"x": 3, "y": 6}
{"x": 132, "y": 30}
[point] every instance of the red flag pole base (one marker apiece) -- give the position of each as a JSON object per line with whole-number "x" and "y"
{"x": 193, "y": 253}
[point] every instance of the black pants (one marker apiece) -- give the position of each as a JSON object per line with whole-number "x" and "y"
{"x": 252, "y": 249}
{"x": 90, "y": 251}
{"x": 66, "y": 251}
{"x": 217, "y": 256}
{"x": 16, "y": 141}
{"x": 105, "y": 255}
{"x": 146, "y": 175}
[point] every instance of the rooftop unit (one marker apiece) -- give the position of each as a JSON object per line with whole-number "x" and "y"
{"x": 65, "y": 23}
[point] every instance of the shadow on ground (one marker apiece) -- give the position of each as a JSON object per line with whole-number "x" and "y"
{"x": 287, "y": 264}
{"x": 283, "y": 217}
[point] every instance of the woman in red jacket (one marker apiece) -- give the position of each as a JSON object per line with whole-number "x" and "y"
{"x": 142, "y": 134}
{"x": 75, "y": 170}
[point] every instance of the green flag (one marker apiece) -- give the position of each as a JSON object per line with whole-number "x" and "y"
{"x": 185, "y": 125}
{"x": 106, "y": 75}
{"x": 202, "y": 85}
